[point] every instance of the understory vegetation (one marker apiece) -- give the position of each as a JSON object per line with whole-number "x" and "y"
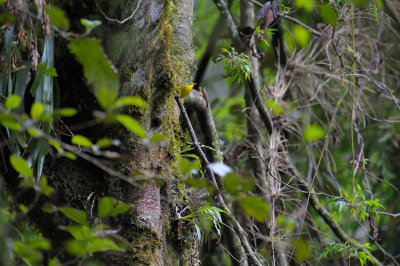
{"x": 286, "y": 151}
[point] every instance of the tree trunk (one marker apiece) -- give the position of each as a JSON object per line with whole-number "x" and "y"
{"x": 153, "y": 53}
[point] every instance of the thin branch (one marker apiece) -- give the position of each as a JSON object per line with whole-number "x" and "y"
{"x": 291, "y": 19}
{"x": 239, "y": 231}
{"x": 116, "y": 20}
{"x": 394, "y": 215}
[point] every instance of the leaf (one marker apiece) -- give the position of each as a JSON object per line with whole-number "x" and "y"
{"x": 69, "y": 155}
{"x": 360, "y": 3}
{"x": 57, "y": 17}
{"x": 105, "y": 206}
{"x": 37, "y": 110}
{"x": 81, "y": 141}
{"x": 131, "y": 124}
{"x": 234, "y": 184}
{"x": 308, "y": 5}
{"x": 42, "y": 244}
{"x": 9, "y": 121}
{"x": 44, "y": 187}
{"x": 51, "y": 72}
{"x": 314, "y": 132}
{"x": 12, "y": 101}
{"x": 34, "y": 132}
{"x": 79, "y": 232}
{"x": 102, "y": 245}
{"x": 25, "y": 251}
{"x": 110, "y": 207}
{"x": 275, "y": 107}
{"x": 90, "y": 24}
{"x": 66, "y": 112}
{"x": 90, "y": 54}
{"x": 255, "y": 207}
{"x": 129, "y": 100}
{"x": 77, "y": 248}
{"x": 329, "y": 14}
{"x": 120, "y": 208}
{"x": 200, "y": 183}
{"x": 21, "y": 166}
{"x": 302, "y": 248}
{"x": 301, "y": 35}
{"x": 75, "y": 215}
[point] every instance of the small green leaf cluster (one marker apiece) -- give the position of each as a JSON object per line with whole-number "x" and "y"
{"x": 88, "y": 239}
{"x": 237, "y": 66}
{"x": 207, "y": 212}
{"x": 350, "y": 249}
{"x": 358, "y": 205}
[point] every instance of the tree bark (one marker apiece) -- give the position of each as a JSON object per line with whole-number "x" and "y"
{"x": 153, "y": 53}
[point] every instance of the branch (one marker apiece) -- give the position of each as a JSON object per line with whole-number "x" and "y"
{"x": 203, "y": 110}
{"x": 239, "y": 231}
{"x": 116, "y": 20}
{"x": 291, "y": 19}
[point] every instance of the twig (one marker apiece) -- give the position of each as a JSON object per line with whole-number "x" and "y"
{"x": 291, "y": 19}
{"x": 394, "y": 215}
{"x": 239, "y": 231}
{"x": 116, "y": 20}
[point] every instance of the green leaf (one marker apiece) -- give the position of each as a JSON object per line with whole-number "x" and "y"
{"x": 51, "y": 72}
{"x": 308, "y": 5}
{"x": 42, "y": 244}
{"x": 49, "y": 208}
{"x": 66, "y": 112}
{"x": 90, "y": 24}
{"x": 301, "y": 35}
{"x": 9, "y": 121}
{"x": 314, "y": 132}
{"x": 110, "y": 207}
{"x": 106, "y": 142}
{"x": 12, "y": 101}
{"x": 255, "y": 207}
{"x": 25, "y": 251}
{"x": 129, "y": 100}
{"x": 34, "y": 132}
{"x": 69, "y": 155}
{"x": 157, "y": 137}
{"x": 234, "y": 184}
{"x": 21, "y": 166}
{"x": 23, "y": 208}
{"x": 79, "y": 232}
{"x": 77, "y": 248}
{"x": 131, "y": 124}
{"x": 361, "y": 3}
{"x": 55, "y": 144}
{"x": 120, "y": 208}
{"x": 44, "y": 187}
{"x": 57, "y": 17}
{"x": 7, "y": 18}
{"x": 302, "y": 249}
{"x": 105, "y": 206}
{"x": 97, "y": 69}
{"x": 102, "y": 245}
{"x": 81, "y": 141}
{"x": 329, "y": 14}
{"x": 75, "y": 215}
{"x": 200, "y": 183}
{"x": 37, "y": 110}
{"x": 275, "y": 107}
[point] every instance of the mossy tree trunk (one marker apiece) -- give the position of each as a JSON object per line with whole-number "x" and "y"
{"x": 152, "y": 52}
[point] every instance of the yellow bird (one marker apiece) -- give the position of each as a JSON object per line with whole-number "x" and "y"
{"x": 184, "y": 89}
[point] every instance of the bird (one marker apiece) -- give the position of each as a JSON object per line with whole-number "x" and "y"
{"x": 184, "y": 89}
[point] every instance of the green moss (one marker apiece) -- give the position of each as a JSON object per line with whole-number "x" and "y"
{"x": 143, "y": 246}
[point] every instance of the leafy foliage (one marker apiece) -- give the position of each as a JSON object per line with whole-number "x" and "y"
{"x": 236, "y": 66}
